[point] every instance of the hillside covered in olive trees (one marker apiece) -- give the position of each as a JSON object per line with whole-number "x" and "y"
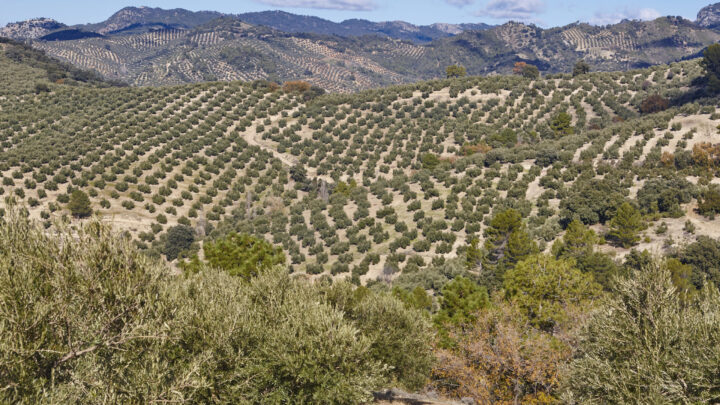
{"x": 149, "y": 46}
{"x": 524, "y": 237}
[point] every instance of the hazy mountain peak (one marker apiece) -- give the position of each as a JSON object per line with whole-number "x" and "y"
{"x": 140, "y": 16}
{"x": 709, "y": 16}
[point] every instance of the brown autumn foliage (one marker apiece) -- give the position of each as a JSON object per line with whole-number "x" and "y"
{"x": 705, "y": 154}
{"x": 297, "y": 86}
{"x": 667, "y": 159}
{"x": 654, "y": 103}
{"x": 471, "y": 149}
{"x": 449, "y": 159}
{"x": 519, "y": 68}
{"x": 502, "y": 359}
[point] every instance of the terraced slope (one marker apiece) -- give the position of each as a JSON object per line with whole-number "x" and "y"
{"x": 365, "y": 185}
{"x": 237, "y": 51}
{"x": 228, "y": 49}
{"x": 25, "y": 70}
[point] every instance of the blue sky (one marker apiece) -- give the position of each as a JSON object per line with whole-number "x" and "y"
{"x": 542, "y": 12}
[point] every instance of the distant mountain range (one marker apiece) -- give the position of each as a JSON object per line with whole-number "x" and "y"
{"x": 142, "y": 19}
{"x": 152, "y": 46}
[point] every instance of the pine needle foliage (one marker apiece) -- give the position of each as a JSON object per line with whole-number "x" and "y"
{"x": 648, "y": 345}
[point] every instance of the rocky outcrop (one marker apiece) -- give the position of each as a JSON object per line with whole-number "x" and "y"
{"x": 709, "y": 17}
{"x": 30, "y": 29}
{"x": 399, "y": 397}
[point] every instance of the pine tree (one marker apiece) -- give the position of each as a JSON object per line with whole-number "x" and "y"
{"x": 648, "y": 346}
{"x": 544, "y": 288}
{"x": 498, "y": 233}
{"x": 581, "y": 68}
{"x": 519, "y": 246}
{"x": 561, "y": 124}
{"x": 626, "y": 225}
{"x": 711, "y": 65}
{"x": 79, "y": 204}
{"x": 577, "y": 242}
{"x": 506, "y": 242}
{"x": 243, "y": 255}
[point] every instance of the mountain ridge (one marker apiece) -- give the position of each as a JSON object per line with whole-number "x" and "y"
{"x": 151, "y": 46}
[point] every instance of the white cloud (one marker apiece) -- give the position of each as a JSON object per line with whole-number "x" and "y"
{"x": 513, "y": 9}
{"x": 459, "y": 3}
{"x": 643, "y": 14}
{"x": 349, "y": 5}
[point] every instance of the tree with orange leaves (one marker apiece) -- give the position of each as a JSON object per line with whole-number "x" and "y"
{"x": 512, "y": 351}
{"x": 667, "y": 159}
{"x": 526, "y": 70}
{"x": 501, "y": 359}
{"x": 297, "y": 86}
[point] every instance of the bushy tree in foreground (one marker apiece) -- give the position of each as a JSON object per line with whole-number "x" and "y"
{"x": 501, "y": 359}
{"x": 649, "y": 345}
{"x": 511, "y": 352}
{"x": 95, "y": 321}
{"x": 400, "y": 339}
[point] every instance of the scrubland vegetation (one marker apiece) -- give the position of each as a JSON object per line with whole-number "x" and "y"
{"x": 514, "y": 239}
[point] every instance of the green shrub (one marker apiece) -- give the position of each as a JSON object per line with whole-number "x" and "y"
{"x": 243, "y": 255}
{"x": 133, "y": 332}
{"x": 646, "y": 345}
{"x": 179, "y": 238}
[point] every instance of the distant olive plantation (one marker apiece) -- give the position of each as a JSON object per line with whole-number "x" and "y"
{"x": 510, "y": 239}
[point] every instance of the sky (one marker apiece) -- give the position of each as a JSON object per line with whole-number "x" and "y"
{"x": 545, "y": 13}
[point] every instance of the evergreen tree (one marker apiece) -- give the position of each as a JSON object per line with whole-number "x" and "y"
{"x": 506, "y": 242}
{"x": 179, "y": 238}
{"x": 544, "y": 287}
{"x": 418, "y": 298}
{"x": 473, "y": 254}
{"x": 577, "y": 242}
{"x": 709, "y": 203}
{"x": 581, "y": 68}
{"x": 711, "y": 65}
{"x": 243, "y": 255}
{"x": 519, "y": 246}
{"x": 79, "y": 204}
{"x": 648, "y": 346}
{"x": 454, "y": 71}
{"x": 460, "y": 301}
{"x": 626, "y": 225}
{"x": 561, "y": 124}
